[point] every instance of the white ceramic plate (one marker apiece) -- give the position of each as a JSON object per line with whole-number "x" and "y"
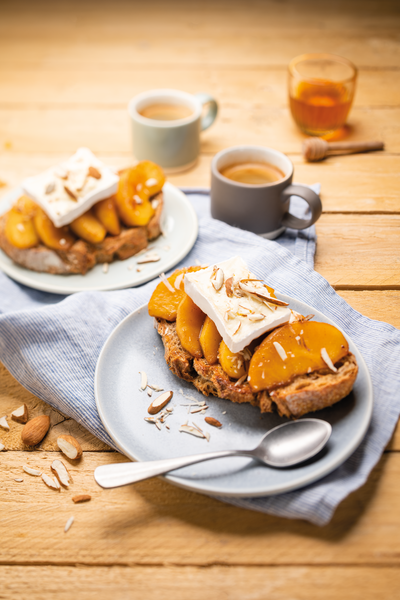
{"x": 135, "y": 346}
{"x": 179, "y": 225}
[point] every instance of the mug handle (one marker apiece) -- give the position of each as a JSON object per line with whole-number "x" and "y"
{"x": 212, "y": 111}
{"x": 313, "y": 201}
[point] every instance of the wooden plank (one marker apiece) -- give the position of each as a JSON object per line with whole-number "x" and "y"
{"x": 13, "y": 395}
{"x": 154, "y": 523}
{"x": 180, "y": 583}
{"x": 49, "y": 87}
{"x": 367, "y": 183}
{"x": 359, "y": 251}
{"x": 377, "y": 305}
{"x": 210, "y": 16}
{"x": 107, "y": 130}
{"x": 79, "y": 46}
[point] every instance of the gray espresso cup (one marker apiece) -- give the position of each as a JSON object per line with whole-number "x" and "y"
{"x": 172, "y": 144}
{"x": 264, "y": 208}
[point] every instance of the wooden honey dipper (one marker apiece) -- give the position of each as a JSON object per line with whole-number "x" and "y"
{"x": 315, "y": 148}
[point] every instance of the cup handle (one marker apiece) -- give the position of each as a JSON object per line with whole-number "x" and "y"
{"x": 313, "y": 201}
{"x": 212, "y": 110}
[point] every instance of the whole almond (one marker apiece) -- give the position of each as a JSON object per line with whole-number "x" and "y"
{"x": 213, "y": 422}
{"x": 35, "y": 430}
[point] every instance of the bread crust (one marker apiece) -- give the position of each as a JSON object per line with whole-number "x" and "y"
{"x": 305, "y": 394}
{"x": 82, "y": 256}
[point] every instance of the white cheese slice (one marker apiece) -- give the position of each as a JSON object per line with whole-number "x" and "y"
{"x": 229, "y": 312}
{"x": 48, "y": 188}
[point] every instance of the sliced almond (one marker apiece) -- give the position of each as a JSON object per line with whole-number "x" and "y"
{"x": 213, "y": 422}
{"x": 93, "y": 172}
{"x": 252, "y": 290}
{"x": 50, "y": 187}
{"x": 71, "y": 193}
{"x": 280, "y": 350}
{"x": 105, "y": 267}
{"x": 4, "y": 424}
{"x": 20, "y": 414}
{"x": 192, "y": 430}
{"x": 69, "y": 446}
{"x": 198, "y": 409}
{"x": 149, "y": 258}
{"x": 81, "y": 498}
{"x": 237, "y": 329}
{"x": 256, "y": 317}
{"x": 61, "y": 472}
{"x": 35, "y": 430}
{"x": 51, "y": 482}
{"x": 241, "y": 380}
{"x": 31, "y": 471}
{"x": 178, "y": 281}
{"x": 18, "y": 480}
{"x": 229, "y": 287}
{"x": 229, "y": 315}
{"x": 217, "y": 279}
{"x": 2, "y": 446}
{"x": 327, "y": 360}
{"x": 166, "y": 283}
{"x": 68, "y": 524}
{"x": 143, "y": 383}
{"x": 159, "y": 403}
{"x": 156, "y": 388}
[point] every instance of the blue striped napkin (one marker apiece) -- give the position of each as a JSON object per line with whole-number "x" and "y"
{"x": 51, "y": 344}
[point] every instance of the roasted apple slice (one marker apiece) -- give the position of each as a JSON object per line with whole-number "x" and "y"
{"x": 189, "y": 321}
{"x": 105, "y": 211}
{"x": 56, "y": 238}
{"x": 26, "y": 206}
{"x": 20, "y": 230}
{"x": 89, "y": 228}
{"x": 147, "y": 175}
{"x": 210, "y": 339}
{"x": 133, "y": 206}
{"x": 164, "y": 302}
{"x": 231, "y": 362}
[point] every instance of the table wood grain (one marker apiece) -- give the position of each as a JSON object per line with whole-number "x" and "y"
{"x": 67, "y": 71}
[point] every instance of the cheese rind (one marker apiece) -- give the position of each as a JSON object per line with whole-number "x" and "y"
{"x": 228, "y": 312}
{"x": 48, "y": 189}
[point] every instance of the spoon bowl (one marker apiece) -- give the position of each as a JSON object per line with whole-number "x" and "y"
{"x": 283, "y": 446}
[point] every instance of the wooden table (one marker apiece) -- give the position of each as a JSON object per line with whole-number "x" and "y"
{"x": 67, "y": 71}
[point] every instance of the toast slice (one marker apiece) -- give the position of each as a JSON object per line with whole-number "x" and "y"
{"x": 82, "y": 256}
{"x": 306, "y": 393}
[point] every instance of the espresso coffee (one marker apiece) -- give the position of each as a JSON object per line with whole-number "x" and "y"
{"x": 253, "y": 173}
{"x": 166, "y": 112}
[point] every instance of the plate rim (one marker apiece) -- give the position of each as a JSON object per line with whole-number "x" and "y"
{"x": 14, "y": 272}
{"x": 237, "y": 493}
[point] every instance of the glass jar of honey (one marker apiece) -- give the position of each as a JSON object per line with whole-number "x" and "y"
{"x": 321, "y": 92}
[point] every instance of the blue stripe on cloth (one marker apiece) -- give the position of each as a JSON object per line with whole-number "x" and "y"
{"x": 51, "y": 346}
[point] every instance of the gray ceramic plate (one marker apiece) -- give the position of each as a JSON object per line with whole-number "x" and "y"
{"x": 135, "y": 346}
{"x": 180, "y": 228}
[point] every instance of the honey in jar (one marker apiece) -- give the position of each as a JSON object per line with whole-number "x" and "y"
{"x": 321, "y": 91}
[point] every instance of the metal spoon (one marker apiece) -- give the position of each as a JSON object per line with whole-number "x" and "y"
{"x": 283, "y": 446}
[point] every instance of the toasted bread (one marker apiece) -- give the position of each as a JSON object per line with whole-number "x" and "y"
{"x": 82, "y": 256}
{"x": 306, "y": 393}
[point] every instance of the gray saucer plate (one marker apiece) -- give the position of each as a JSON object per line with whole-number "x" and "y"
{"x": 180, "y": 229}
{"x": 135, "y": 346}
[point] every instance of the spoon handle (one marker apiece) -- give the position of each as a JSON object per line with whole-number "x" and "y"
{"x": 112, "y": 476}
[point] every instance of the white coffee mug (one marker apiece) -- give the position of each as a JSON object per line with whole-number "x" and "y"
{"x": 172, "y": 144}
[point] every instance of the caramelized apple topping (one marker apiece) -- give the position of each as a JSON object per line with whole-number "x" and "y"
{"x": 295, "y": 349}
